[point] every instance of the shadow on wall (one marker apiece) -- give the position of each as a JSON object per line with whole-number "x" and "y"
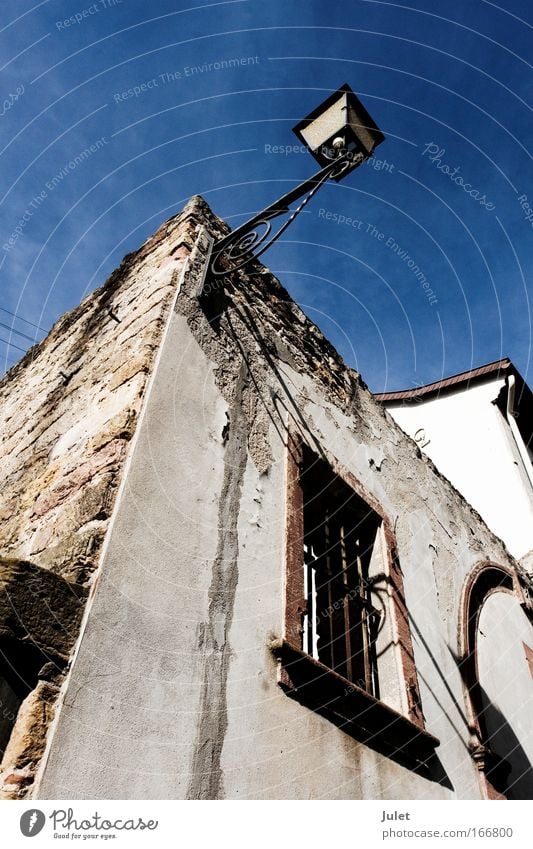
{"x": 512, "y": 774}
{"x": 362, "y": 722}
{"x": 355, "y": 724}
{"x": 507, "y": 766}
{"x": 40, "y": 615}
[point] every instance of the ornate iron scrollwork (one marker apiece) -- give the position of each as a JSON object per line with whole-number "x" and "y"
{"x": 253, "y": 238}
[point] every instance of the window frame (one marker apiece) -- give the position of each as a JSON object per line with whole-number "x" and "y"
{"x": 312, "y": 682}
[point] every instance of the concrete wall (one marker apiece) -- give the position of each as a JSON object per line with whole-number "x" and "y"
{"x": 173, "y": 692}
{"x": 470, "y": 442}
{"x": 67, "y": 414}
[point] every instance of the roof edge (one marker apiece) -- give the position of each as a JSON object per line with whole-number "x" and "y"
{"x": 498, "y": 367}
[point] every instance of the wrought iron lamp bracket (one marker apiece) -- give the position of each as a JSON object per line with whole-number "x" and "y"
{"x": 254, "y": 237}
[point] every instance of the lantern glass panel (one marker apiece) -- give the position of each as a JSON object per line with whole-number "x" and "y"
{"x": 341, "y": 115}
{"x": 330, "y": 123}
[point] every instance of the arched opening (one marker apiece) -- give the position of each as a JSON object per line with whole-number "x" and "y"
{"x": 495, "y": 636}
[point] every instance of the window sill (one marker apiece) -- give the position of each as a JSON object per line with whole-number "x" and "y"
{"x": 351, "y": 708}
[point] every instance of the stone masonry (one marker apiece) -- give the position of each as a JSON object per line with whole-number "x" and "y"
{"x": 68, "y": 410}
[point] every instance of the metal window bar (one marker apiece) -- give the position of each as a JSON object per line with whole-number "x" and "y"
{"x": 340, "y": 624}
{"x": 311, "y": 618}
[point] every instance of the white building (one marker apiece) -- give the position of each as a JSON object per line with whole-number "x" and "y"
{"x": 477, "y": 428}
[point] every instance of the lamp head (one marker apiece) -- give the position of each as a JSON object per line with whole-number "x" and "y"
{"x": 340, "y": 124}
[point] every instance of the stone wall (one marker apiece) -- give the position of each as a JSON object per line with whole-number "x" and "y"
{"x": 68, "y": 411}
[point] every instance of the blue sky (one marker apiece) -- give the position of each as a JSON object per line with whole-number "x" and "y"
{"x": 449, "y": 85}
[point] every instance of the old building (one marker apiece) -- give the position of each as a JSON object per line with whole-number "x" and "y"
{"x": 280, "y": 596}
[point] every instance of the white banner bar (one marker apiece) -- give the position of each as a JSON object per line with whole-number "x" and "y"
{"x": 243, "y": 825}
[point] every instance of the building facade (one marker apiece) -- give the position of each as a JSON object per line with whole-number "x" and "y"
{"x": 260, "y": 587}
{"x": 477, "y": 427}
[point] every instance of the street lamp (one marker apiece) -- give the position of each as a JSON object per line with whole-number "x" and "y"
{"x": 340, "y": 135}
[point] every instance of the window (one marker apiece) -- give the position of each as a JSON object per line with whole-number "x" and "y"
{"x": 346, "y": 651}
{"x": 496, "y": 614}
{"x": 340, "y": 622}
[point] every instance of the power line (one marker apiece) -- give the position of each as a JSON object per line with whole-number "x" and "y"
{"x": 18, "y": 332}
{"x": 12, "y": 344}
{"x": 23, "y": 319}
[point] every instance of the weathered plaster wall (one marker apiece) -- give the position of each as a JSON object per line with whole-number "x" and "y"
{"x": 67, "y": 413}
{"x": 174, "y": 692}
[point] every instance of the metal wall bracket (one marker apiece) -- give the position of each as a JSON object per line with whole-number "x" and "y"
{"x": 253, "y": 238}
